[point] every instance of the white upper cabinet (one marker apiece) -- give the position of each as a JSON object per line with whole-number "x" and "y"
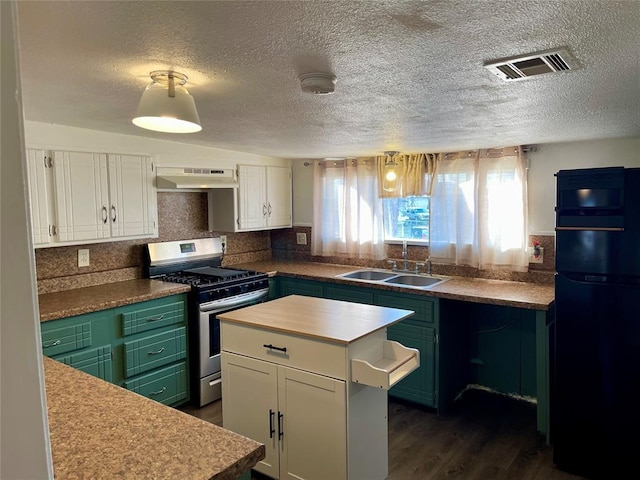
{"x": 93, "y": 197}
{"x": 262, "y": 200}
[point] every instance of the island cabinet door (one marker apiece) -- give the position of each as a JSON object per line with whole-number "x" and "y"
{"x": 313, "y": 426}
{"x": 250, "y": 405}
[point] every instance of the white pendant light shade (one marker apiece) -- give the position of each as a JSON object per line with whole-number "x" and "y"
{"x": 166, "y": 105}
{"x": 391, "y": 179}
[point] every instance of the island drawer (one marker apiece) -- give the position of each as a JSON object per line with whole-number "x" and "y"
{"x": 154, "y": 351}
{"x": 310, "y": 354}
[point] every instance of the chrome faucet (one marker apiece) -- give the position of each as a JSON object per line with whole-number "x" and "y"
{"x": 428, "y": 265}
{"x": 405, "y": 262}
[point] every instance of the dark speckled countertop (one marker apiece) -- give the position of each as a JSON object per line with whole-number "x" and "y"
{"x": 496, "y": 292}
{"x": 68, "y": 303}
{"x": 100, "y": 430}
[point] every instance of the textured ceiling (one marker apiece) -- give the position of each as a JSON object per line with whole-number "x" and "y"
{"x": 410, "y": 74}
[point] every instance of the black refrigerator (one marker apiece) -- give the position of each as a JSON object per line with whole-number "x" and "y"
{"x": 595, "y": 338}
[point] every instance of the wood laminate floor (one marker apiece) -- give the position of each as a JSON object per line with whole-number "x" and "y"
{"x": 485, "y": 436}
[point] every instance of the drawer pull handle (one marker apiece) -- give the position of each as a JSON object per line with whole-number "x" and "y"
{"x": 271, "y": 429}
{"x": 280, "y": 432}
{"x": 162, "y": 390}
{"x": 57, "y": 342}
{"x": 273, "y": 347}
{"x": 155, "y": 319}
{"x": 156, "y": 352}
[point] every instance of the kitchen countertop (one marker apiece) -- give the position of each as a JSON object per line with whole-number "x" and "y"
{"x": 68, "y": 303}
{"x": 323, "y": 318}
{"x": 496, "y": 292}
{"x": 100, "y": 430}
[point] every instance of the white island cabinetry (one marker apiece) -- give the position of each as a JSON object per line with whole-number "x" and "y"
{"x": 287, "y": 370}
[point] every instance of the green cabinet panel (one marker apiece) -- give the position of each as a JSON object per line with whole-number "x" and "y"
{"x": 419, "y": 385}
{"x": 94, "y": 361}
{"x": 167, "y": 385}
{"x": 56, "y": 341}
{"x": 152, "y": 317}
{"x": 348, "y": 294}
{"x": 298, "y": 286}
{"x": 154, "y": 351}
{"x": 423, "y": 306}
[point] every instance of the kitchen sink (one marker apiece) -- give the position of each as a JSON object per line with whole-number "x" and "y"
{"x": 395, "y": 279}
{"x": 414, "y": 280}
{"x": 368, "y": 275}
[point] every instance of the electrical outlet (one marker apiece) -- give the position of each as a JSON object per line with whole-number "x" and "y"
{"x": 83, "y": 257}
{"x": 301, "y": 238}
{"x": 223, "y": 241}
{"x": 536, "y": 257}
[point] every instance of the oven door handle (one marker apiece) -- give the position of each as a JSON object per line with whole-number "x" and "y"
{"x": 226, "y": 303}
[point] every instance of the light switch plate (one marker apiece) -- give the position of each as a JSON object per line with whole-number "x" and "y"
{"x": 301, "y": 238}
{"x": 83, "y": 257}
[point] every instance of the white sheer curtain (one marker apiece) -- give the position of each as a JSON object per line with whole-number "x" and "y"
{"x": 479, "y": 210}
{"x": 347, "y": 213}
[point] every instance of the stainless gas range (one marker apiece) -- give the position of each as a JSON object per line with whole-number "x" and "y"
{"x": 214, "y": 290}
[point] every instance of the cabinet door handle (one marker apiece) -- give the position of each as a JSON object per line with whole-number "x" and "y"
{"x": 155, "y": 319}
{"x": 264, "y": 209}
{"x": 271, "y": 429}
{"x": 269, "y": 209}
{"x": 113, "y": 213}
{"x": 273, "y": 347}
{"x": 162, "y": 390}
{"x": 105, "y": 214}
{"x": 53, "y": 344}
{"x": 157, "y": 352}
{"x": 280, "y": 432}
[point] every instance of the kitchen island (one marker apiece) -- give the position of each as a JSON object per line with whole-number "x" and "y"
{"x": 308, "y": 377}
{"x": 99, "y": 430}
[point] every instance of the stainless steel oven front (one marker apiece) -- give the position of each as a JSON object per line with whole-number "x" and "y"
{"x": 210, "y": 387}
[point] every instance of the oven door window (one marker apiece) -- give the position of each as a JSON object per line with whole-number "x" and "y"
{"x": 214, "y": 335}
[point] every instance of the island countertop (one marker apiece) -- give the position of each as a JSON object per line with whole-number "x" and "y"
{"x": 99, "y": 430}
{"x": 318, "y": 317}
{"x": 496, "y": 292}
{"x": 68, "y": 303}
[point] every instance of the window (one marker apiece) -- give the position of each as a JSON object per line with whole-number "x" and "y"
{"x": 406, "y": 218}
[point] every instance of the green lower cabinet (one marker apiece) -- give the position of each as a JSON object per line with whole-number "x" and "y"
{"x": 298, "y": 286}
{"x": 94, "y": 361}
{"x": 419, "y": 385}
{"x": 154, "y": 351}
{"x": 349, "y": 294}
{"x": 166, "y": 385}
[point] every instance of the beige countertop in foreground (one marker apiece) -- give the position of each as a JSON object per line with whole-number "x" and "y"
{"x": 99, "y": 430}
{"x": 323, "y": 319}
{"x": 100, "y": 297}
{"x": 496, "y": 292}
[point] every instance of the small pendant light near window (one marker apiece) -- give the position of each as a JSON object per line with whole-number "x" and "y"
{"x": 391, "y": 179}
{"x": 166, "y": 105}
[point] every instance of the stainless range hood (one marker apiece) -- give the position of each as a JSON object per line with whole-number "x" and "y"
{"x": 190, "y": 178}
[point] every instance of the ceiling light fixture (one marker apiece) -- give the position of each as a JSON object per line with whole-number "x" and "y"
{"x": 391, "y": 179}
{"x": 166, "y": 105}
{"x": 317, "y": 83}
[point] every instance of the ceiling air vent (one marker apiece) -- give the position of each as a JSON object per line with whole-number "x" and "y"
{"x": 517, "y": 68}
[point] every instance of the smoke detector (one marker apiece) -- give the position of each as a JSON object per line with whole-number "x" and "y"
{"x": 317, "y": 83}
{"x": 517, "y": 68}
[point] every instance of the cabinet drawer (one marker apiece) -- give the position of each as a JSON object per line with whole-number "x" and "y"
{"x": 167, "y": 385}
{"x": 95, "y": 361}
{"x": 66, "y": 339}
{"x": 144, "y": 319}
{"x": 154, "y": 351}
{"x": 422, "y": 307}
{"x": 312, "y": 355}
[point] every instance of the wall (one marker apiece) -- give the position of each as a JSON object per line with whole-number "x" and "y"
{"x": 181, "y": 215}
{"x": 25, "y": 451}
